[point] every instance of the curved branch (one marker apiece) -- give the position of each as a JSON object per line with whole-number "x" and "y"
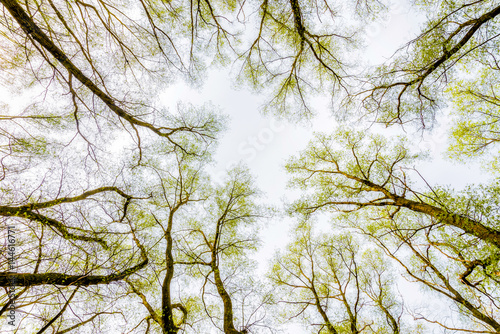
{"x": 63, "y": 229}
{"x": 16, "y": 279}
{"x": 33, "y": 31}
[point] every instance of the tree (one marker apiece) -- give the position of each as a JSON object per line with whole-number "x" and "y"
{"x": 300, "y": 49}
{"x": 217, "y": 245}
{"x": 80, "y": 21}
{"x": 180, "y": 198}
{"x": 112, "y": 207}
{"x": 335, "y": 285}
{"x": 64, "y": 254}
{"x": 410, "y": 87}
{"x": 370, "y": 178}
{"x": 475, "y": 130}
{"x": 172, "y": 191}
{"x": 373, "y": 175}
{"x": 448, "y": 266}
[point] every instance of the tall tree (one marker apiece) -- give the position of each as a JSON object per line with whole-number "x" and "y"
{"x": 410, "y": 86}
{"x": 172, "y": 190}
{"x": 336, "y": 287}
{"x": 303, "y": 48}
{"x": 216, "y": 247}
{"x": 369, "y": 178}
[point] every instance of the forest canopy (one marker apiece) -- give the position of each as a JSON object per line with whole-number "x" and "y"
{"x": 113, "y": 222}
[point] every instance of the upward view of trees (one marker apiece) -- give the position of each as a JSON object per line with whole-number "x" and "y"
{"x": 119, "y": 227}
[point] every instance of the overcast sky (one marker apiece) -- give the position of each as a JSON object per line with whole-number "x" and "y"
{"x": 263, "y": 143}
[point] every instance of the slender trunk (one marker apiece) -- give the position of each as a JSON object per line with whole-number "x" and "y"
{"x": 169, "y": 326}
{"x": 353, "y": 317}
{"x": 390, "y": 319}
{"x": 322, "y": 312}
{"x": 226, "y": 300}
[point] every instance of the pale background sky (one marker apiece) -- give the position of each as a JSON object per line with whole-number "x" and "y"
{"x": 264, "y": 143}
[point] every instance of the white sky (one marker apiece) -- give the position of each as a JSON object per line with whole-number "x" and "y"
{"x": 264, "y": 143}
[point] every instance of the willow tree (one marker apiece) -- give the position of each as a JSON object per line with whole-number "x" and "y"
{"x": 451, "y": 236}
{"x": 67, "y": 185}
{"x": 411, "y": 85}
{"x": 335, "y": 286}
{"x": 196, "y": 235}
{"x": 445, "y": 239}
{"x": 303, "y": 49}
{"x": 82, "y": 177}
{"x": 216, "y": 249}
{"x": 177, "y": 184}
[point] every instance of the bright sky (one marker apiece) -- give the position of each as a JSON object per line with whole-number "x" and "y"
{"x": 264, "y": 143}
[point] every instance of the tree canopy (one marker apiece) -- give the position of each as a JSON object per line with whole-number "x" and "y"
{"x": 112, "y": 221}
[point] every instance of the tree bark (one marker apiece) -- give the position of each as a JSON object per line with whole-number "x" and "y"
{"x": 228, "y": 305}
{"x": 16, "y": 279}
{"x": 33, "y": 31}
